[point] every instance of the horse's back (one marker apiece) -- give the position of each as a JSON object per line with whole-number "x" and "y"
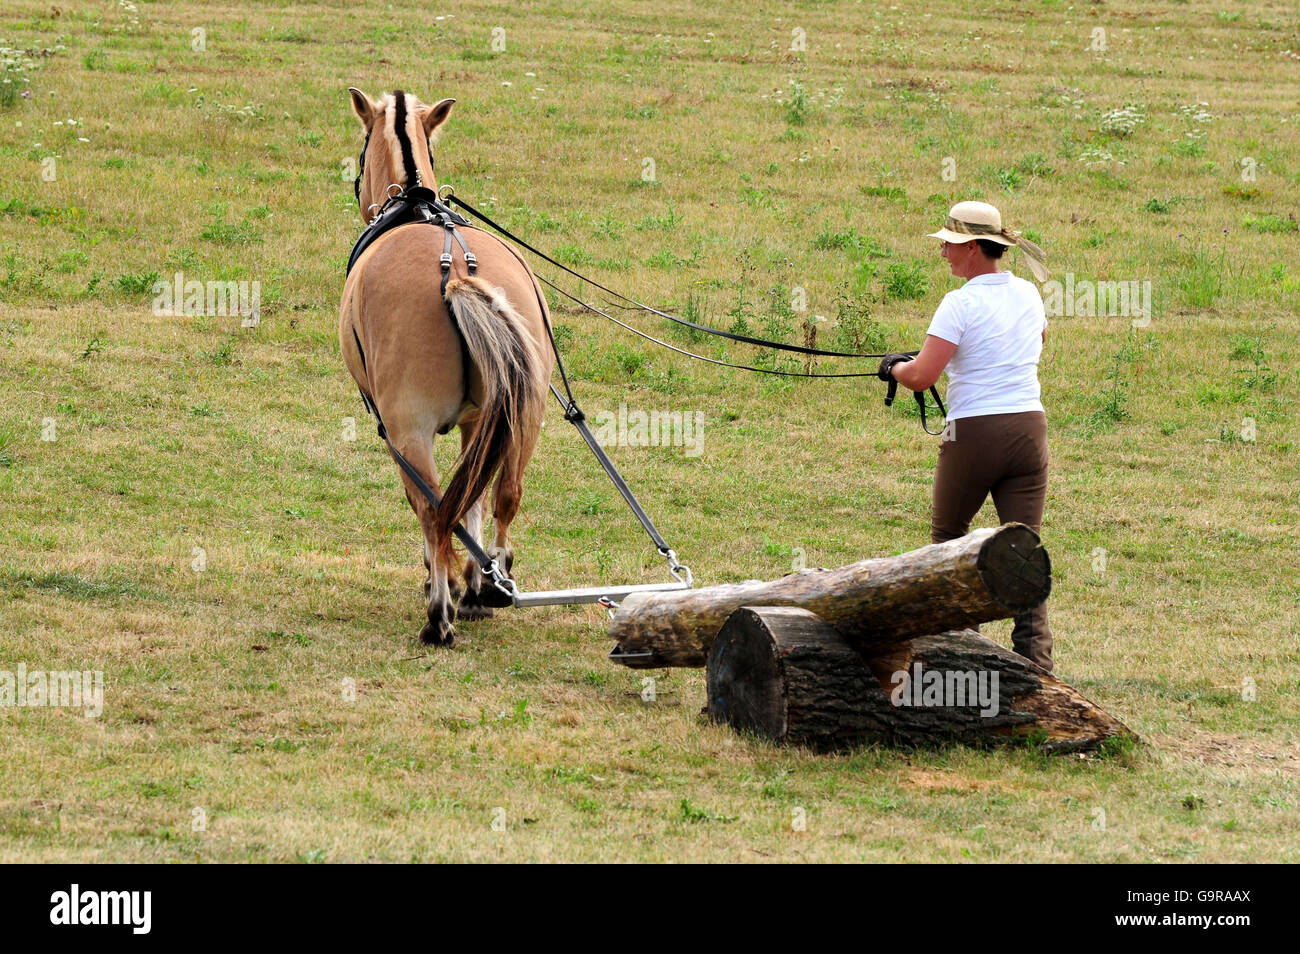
{"x": 412, "y": 366}
{"x": 414, "y": 360}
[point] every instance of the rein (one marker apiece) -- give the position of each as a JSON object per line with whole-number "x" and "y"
{"x": 920, "y": 403}
{"x": 634, "y": 305}
{"x": 639, "y": 306}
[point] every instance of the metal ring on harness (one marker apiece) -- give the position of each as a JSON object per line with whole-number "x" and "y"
{"x": 501, "y": 581}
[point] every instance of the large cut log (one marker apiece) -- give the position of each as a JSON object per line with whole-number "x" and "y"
{"x": 787, "y": 675}
{"x": 986, "y": 575}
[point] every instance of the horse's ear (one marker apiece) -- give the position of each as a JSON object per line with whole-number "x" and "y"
{"x": 435, "y": 116}
{"x": 362, "y": 106}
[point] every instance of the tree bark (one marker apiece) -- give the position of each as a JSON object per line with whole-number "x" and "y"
{"x": 786, "y": 675}
{"x": 989, "y": 574}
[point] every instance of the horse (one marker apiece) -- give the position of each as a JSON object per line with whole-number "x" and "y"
{"x": 477, "y": 357}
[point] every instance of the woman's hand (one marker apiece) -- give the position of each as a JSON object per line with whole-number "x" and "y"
{"x": 921, "y": 373}
{"x": 888, "y": 362}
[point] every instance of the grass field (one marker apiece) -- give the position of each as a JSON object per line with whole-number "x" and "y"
{"x": 182, "y": 509}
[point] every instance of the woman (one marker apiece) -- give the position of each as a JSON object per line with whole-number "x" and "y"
{"x": 988, "y": 335}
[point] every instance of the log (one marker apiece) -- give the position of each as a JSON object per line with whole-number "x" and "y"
{"x": 783, "y": 673}
{"x": 787, "y": 675}
{"x": 989, "y": 574}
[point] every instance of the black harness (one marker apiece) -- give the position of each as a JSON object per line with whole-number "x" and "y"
{"x": 419, "y": 205}
{"x": 920, "y": 400}
{"x": 415, "y": 206}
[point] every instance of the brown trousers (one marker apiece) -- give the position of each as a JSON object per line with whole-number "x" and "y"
{"x": 1004, "y": 455}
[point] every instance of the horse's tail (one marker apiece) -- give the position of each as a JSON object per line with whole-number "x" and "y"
{"x": 513, "y": 404}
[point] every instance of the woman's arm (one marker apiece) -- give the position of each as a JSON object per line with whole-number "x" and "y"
{"x": 921, "y": 372}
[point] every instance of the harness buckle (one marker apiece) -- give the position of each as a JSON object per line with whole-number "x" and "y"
{"x": 679, "y": 571}
{"x": 445, "y": 260}
{"x": 501, "y": 581}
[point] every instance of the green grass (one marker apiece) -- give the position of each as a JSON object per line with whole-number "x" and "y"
{"x": 184, "y": 510}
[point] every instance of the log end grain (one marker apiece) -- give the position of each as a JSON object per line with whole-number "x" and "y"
{"x": 1014, "y": 565}
{"x": 785, "y": 674}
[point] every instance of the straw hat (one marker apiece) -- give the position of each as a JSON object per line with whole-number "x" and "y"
{"x": 968, "y": 221}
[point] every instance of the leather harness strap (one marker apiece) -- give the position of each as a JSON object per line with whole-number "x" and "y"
{"x": 920, "y": 403}
{"x": 747, "y": 339}
{"x": 636, "y": 305}
{"x": 575, "y": 416}
{"x": 445, "y": 219}
{"x": 416, "y": 205}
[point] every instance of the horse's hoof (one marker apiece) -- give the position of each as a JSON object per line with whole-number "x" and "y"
{"x": 441, "y": 635}
{"x": 491, "y": 596}
{"x": 471, "y": 607}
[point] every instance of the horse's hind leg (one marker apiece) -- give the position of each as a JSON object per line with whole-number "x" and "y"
{"x": 453, "y": 585}
{"x": 412, "y": 495}
{"x": 506, "y": 498}
{"x": 438, "y": 630}
{"x": 471, "y": 604}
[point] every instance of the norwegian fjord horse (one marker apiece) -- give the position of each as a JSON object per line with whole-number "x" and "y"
{"x": 478, "y": 359}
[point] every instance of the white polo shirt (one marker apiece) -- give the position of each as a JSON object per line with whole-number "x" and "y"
{"x": 996, "y": 321}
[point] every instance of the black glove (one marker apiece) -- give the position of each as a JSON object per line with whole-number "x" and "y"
{"x": 887, "y": 362}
